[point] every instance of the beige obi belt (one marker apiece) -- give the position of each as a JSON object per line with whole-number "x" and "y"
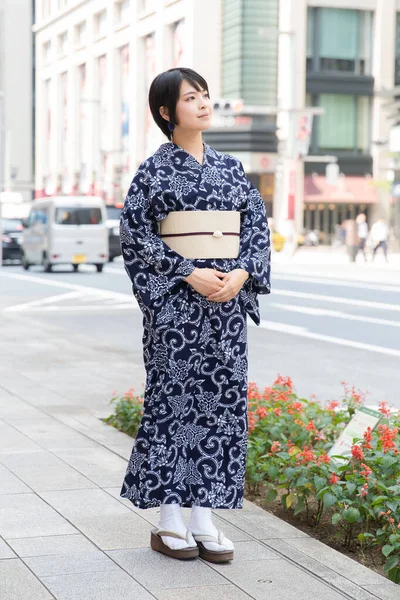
{"x": 202, "y": 233}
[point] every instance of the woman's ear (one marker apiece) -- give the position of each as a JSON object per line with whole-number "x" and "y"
{"x": 164, "y": 112}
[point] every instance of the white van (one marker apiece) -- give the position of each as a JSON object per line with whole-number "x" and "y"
{"x": 66, "y": 230}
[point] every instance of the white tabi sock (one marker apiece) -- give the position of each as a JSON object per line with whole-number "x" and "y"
{"x": 200, "y": 522}
{"x": 172, "y": 520}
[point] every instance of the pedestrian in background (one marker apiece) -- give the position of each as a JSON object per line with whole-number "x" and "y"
{"x": 351, "y": 238}
{"x": 379, "y": 236}
{"x": 362, "y": 231}
{"x": 191, "y": 446}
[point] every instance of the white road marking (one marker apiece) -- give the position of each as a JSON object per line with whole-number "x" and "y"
{"x": 303, "y": 332}
{"x": 85, "y": 292}
{"x": 322, "y": 312}
{"x": 338, "y": 282}
{"x": 336, "y": 300}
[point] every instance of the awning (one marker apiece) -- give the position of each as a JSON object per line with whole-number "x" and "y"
{"x": 349, "y": 190}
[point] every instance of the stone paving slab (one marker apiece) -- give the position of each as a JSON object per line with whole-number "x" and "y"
{"x": 154, "y": 570}
{"x": 51, "y": 545}
{"x": 49, "y": 433}
{"x": 388, "y": 591}
{"x": 9, "y": 483}
{"x": 13, "y": 440}
{"x": 67, "y": 564}
{"x": 112, "y": 585}
{"x": 18, "y": 583}
{"x": 43, "y": 471}
{"x": 276, "y": 579}
{"x": 97, "y": 463}
{"x": 26, "y": 515}
{"x": 5, "y": 550}
{"x": 211, "y": 592}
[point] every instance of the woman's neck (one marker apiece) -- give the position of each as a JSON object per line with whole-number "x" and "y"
{"x": 190, "y": 142}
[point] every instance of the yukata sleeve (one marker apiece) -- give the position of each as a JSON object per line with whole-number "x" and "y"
{"x": 153, "y": 268}
{"x": 255, "y": 250}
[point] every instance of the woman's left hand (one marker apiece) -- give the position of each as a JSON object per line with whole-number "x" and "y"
{"x": 233, "y": 283}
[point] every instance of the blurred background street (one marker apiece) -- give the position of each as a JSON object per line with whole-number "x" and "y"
{"x": 305, "y": 93}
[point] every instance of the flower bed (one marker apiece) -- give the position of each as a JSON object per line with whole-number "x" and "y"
{"x": 288, "y": 464}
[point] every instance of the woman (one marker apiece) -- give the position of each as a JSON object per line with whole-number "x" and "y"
{"x": 191, "y": 446}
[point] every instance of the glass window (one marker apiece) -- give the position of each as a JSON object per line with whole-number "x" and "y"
{"x": 339, "y": 40}
{"x": 345, "y": 125}
{"x": 80, "y": 34}
{"x": 100, "y": 23}
{"x": 122, "y": 11}
{"x": 78, "y": 216}
{"x": 113, "y": 212}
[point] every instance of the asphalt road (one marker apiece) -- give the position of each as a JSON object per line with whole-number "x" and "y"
{"x": 320, "y": 325}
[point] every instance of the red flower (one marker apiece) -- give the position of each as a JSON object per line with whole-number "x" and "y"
{"x": 307, "y": 455}
{"x": 386, "y": 437}
{"x": 261, "y": 412}
{"x": 324, "y": 458}
{"x": 357, "y": 452}
{"x": 332, "y": 405}
{"x": 311, "y": 426}
{"x": 367, "y": 438}
{"x": 284, "y": 382}
{"x": 334, "y": 479}
{"x": 276, "y": 447}
{"x": 366, "y": 472}
{"x": 384, "y": 409}
{"x": 278, "y": 411}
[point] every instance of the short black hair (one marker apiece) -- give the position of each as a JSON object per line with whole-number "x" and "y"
{"x": 165, "y": 91}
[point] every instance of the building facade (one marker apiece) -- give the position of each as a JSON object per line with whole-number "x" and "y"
{"x": 16, "y": 101}
{"x": 95, "y": 61}
{"x": 341, "y": 55}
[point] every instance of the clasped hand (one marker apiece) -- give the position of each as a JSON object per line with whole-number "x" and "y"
{"x": 215, "y": 285}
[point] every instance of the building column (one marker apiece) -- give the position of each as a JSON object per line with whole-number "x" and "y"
{"x": 383, "y": 53}
{"x": 289, "y": 188}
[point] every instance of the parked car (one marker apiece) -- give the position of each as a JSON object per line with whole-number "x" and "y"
{"x": 11, "y": 237}
{"x": 66, "y": 230}
{"x": 113, "y": 216}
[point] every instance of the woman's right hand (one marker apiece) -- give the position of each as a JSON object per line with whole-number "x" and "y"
{"x": 205, "y": 281}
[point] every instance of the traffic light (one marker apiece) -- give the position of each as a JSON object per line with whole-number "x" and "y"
{"x": 228, "y": 106}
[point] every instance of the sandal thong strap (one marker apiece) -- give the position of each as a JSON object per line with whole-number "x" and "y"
{"x": 173, "y": 534}
{"x": 210, "y": 538}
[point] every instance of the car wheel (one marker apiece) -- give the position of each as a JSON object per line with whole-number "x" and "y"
{"x": 111, "y": 258}
{"x": 99, "y": 267}
{"x": 75, "y": 268}
{"x": 47, "y": 264}
{"x": 24, "y": 263}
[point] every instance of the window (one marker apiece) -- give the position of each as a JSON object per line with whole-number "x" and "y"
{"x": 78, "y": 216}
{"x": 80, "y": 34}
{"x": 100, "y": 23}
{"x": 47, "y": 51}
{"x": 62, "y": 44}
{"x": 122, "y": 11}
{"x": 345, "y": 126}
{"x": 339, "y": 40}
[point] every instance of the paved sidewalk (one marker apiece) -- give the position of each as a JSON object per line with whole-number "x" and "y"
{"x": 67, "y": 535}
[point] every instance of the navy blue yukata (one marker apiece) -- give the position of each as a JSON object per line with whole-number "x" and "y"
{"x": 191, "y": 446}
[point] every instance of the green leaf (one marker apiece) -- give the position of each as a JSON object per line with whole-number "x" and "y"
{"x": 393, "y": 506}
{"x": 336, "y": 518}
{"x": 351, "y": 487}
{"x": 302, "y": 480}
{"x": 301, "y": 505}
{"x": 394, "y": 538}
{"x": 273, "y": 471}
{"x": 388, "y": 461}
{"x": 391, "y": 563}
{"x": 319, "y": 482}
{"x": 394, "y": 575}
{"x": 387, "y": 549}
{"x": 271, "y": 495}
{"x": 351, "y": 515}
{"x": 329, "y": 499}
{"x": 290, "y": 499}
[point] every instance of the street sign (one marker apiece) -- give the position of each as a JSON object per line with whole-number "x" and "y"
{"x": 363, "y": 418}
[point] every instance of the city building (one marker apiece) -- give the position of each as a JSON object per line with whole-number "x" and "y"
{"x": 95, "y": 61}
{"x": 16, "y": 99}
{"x": 298, "y": 84}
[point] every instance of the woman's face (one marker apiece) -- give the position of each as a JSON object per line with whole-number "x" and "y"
{"x": 193, "y": 109}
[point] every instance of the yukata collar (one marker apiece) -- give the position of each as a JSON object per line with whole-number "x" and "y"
{"x": 207, "y": 152}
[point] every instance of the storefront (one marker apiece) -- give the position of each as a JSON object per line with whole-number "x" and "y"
{"x": 326, "y": 206}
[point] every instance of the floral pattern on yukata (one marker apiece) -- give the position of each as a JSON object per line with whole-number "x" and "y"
{"x": 191, "y": 446}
